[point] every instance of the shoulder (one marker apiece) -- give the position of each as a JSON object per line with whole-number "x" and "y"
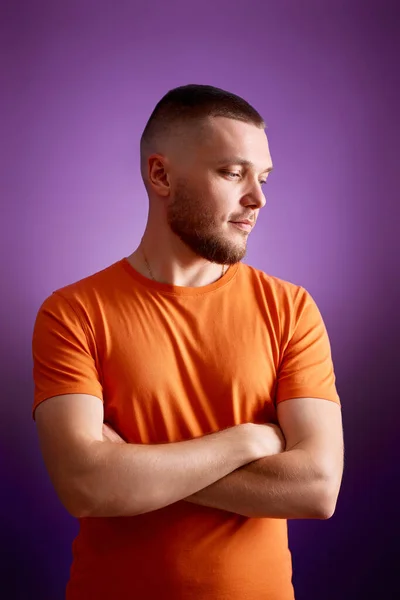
{"x": 285, "y": 301}
{"x": 85, "y": 293}
{"x": 275, "y": 287}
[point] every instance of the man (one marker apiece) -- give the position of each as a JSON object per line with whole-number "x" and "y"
{"x": 186, "y": 402}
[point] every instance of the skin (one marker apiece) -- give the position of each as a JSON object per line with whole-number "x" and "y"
{"x": 195, "y": 192}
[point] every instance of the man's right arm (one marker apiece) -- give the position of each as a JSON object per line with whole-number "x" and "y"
{"x": 94, "y": 477}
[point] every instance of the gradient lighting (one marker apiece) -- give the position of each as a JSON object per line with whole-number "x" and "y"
{"x": 79, "y": 81}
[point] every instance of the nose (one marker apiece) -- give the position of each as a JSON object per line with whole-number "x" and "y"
{"x": 254, "y": 196}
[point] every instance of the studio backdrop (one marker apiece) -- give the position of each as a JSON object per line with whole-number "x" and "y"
{"x": 79, "y": 81}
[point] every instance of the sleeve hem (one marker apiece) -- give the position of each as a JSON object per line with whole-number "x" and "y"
{"x": 65, "y": 390}
{"x": 335, "y": 399}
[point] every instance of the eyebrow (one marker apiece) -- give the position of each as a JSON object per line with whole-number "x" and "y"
{"x": 236, "y": 160}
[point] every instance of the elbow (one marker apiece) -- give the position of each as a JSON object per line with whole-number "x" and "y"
{"x": 97, "y": 501}
{"x": 79, "y": 511}
{"x": 325, "y": 499}
{"x": 76, "y": 500}
{"x": 84, "y": 504}
{"x": 324, "y": 511}
{"x": 76, "y": 508}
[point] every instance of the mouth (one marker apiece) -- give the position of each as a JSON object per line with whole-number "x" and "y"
{"x": 243, "y": 225}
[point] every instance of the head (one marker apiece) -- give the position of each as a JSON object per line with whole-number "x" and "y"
{"x": 204, "y": 161}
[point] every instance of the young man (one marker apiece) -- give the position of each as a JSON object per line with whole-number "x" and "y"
{"x": 186, "y": 402}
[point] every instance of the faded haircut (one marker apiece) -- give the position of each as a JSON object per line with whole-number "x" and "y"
{"x": 190, "y": 105}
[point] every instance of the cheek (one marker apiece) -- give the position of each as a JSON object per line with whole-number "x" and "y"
{"x": 217, "y": 199}
{"x": 221, "y": 193}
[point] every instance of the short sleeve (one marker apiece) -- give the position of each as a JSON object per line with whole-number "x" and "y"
{"x": 306, "y": 368}
{"x": 63, "y": 353}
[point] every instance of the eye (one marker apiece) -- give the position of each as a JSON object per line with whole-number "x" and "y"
{"x": 235, "y": 175}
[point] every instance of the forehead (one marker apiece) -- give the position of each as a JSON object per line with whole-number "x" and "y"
{"x": 224, "y": 138}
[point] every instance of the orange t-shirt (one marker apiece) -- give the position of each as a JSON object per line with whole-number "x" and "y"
{"x": 171, "y": 363}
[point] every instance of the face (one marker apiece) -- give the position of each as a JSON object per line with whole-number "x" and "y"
{"x": 215, "y": 184}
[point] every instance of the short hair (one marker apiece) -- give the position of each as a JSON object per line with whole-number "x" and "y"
{"x": 190, "y": 105}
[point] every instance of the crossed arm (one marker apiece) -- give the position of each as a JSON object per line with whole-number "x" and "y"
{"x": 301, "y": 482}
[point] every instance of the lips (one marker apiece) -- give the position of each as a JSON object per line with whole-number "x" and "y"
{"x": 243, "y": 225}
{"x": 246, "y": 221}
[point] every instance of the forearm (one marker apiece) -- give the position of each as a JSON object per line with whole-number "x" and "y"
{"x": 287, "y": 485}
{"x": 131, "y": 479}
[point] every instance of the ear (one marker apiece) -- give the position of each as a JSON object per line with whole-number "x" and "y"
{"x": 158, "y": 176}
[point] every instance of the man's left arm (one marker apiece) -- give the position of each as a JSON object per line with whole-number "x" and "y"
{"x": 304, "y": 480}
{"x": 301, "y": 482}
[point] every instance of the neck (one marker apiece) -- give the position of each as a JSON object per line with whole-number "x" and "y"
{"x": 174, "y": 265}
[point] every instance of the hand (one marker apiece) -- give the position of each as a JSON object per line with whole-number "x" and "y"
{"x": 268, "y": 439}
{"x": 109, "y": 435}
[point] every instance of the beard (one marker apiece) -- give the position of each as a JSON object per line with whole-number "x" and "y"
{"x": 192, "y": 220}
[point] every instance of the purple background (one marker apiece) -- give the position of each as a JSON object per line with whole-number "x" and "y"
{"x": 78, "y": 83}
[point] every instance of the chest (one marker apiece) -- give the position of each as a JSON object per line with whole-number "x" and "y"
{"x": 172, "y": 373}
